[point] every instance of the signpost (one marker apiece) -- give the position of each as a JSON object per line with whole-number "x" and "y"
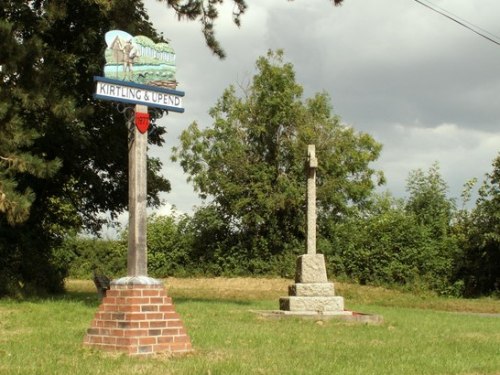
{"x": 147, "y": 72}
{"x": 137, "y": 191}
{"x": 142, "y": 96}
{"x": 136, "y": 93}
{"x": 137, "y": 316}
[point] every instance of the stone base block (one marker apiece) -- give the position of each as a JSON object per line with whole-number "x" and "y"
{"x": 312, "y": 290}
{"x": 311, "y": 269}
{"x": 348, "y": 316}
{"x": 138, "y": 318}
{"x": 317, "y": 304}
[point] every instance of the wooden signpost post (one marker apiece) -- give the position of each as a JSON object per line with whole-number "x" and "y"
{"x": 136, "y": 316}
{"x": 137, "y": 190}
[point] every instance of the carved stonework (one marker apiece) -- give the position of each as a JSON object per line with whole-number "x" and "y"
{"x": 312, "y": 293}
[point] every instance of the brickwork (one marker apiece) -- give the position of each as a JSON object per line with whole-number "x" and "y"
{"x": 138, "y": 320}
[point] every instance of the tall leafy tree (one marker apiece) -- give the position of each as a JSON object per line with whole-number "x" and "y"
{"x": 251, "y": 160}
{"x": 428, "y": 200}
{"x": 480, "y": 229}
{"x": 435, "y": 213}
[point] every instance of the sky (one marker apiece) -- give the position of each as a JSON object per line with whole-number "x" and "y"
{"x": 425, "y": 87}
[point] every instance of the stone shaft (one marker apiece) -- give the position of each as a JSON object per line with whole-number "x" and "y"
{"x": 311, "y": 268}
{"x": 311, "y": 199}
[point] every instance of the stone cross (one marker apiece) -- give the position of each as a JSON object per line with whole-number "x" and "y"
{"x": 137, "y": 172}
{"x": 312, "y": 164}
{"x": 312, "y": 294}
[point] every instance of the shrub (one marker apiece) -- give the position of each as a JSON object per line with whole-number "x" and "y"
{"x": 82, "y": 255}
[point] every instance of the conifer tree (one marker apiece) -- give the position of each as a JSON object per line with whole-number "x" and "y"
{"x": 63, "y": 155}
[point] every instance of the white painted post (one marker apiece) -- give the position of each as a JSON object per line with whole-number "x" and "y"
{"x": 312, "y": 164}
{"x": 137, "y": 170}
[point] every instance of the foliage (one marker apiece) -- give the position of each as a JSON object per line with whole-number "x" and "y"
{"x": 428, "y": 200}
{"x": 26, "y": 264}
{"x": 388, "y": 243}
{"x": 83, "y": 255}
{"x": 63, "y": 156}
{"x": 250, "y": 162}
{"x": 13, "y": 161}
{"x": 479, "y": 230}
{"x": 168, "y": 248}
{"x": 210, "y": 242}
{"x": 391, "y": 246}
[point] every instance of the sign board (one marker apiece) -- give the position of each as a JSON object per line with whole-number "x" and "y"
{"x": 139, "y": 71}
{"x": 134, "y": 93}
{"x": 139, "y": 59}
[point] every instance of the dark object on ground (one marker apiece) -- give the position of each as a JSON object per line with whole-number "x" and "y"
{"x": 102, "y": 283}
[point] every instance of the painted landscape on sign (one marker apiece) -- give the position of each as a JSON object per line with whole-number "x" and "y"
{"x": 139, "y": 59}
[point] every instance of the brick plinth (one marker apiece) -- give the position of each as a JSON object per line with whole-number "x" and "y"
{"x": 138, "y": 319}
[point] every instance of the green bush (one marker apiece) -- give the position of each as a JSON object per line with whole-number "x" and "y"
{"x": 82, "y": 255}
{"x": 168, "y": 247}
{"x": 26, "y": 264}
{"x": 391, "y": 248}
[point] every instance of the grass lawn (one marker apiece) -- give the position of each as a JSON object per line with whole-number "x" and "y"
{"x": 421, "y": 334}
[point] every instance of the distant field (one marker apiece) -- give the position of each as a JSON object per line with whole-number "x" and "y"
{"x": 421, "y": 334}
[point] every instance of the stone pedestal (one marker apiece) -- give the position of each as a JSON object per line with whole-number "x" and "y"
{"x": 312, "y": 293}
{"x": 138, "y": 318}
{"x": 312, "y": 296}
{"x": 310, "y": 268}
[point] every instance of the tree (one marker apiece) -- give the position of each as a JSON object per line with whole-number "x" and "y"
{"x": 480, "y": 268}
{"x": 168, "y": 247}
{"x": 207, "y": 12}
{"x": 385, "y": 246}
{"x": 16, "y": 204}
{"x": 428, "y": 200}
{"x": 251, "y": 160}
{"x": 391, "y": 245}
{"x": 63, "y": 156}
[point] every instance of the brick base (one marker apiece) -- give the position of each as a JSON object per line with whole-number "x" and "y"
{"x": 138, "y": 319}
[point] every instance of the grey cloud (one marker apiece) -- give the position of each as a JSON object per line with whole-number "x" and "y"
{"x": 393, "y": 69}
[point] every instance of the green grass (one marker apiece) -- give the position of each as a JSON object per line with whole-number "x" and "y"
{"x": 421, "y": 334}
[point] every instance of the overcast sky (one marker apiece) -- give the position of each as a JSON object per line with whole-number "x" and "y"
{"x": 425, "y": 87}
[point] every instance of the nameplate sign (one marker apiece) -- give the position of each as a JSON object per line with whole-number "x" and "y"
{"x": 135, "y": 93}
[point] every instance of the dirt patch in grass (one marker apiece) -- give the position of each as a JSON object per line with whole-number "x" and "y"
{"x": 80, "y": 286}
{"x": 245, "y": 288}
